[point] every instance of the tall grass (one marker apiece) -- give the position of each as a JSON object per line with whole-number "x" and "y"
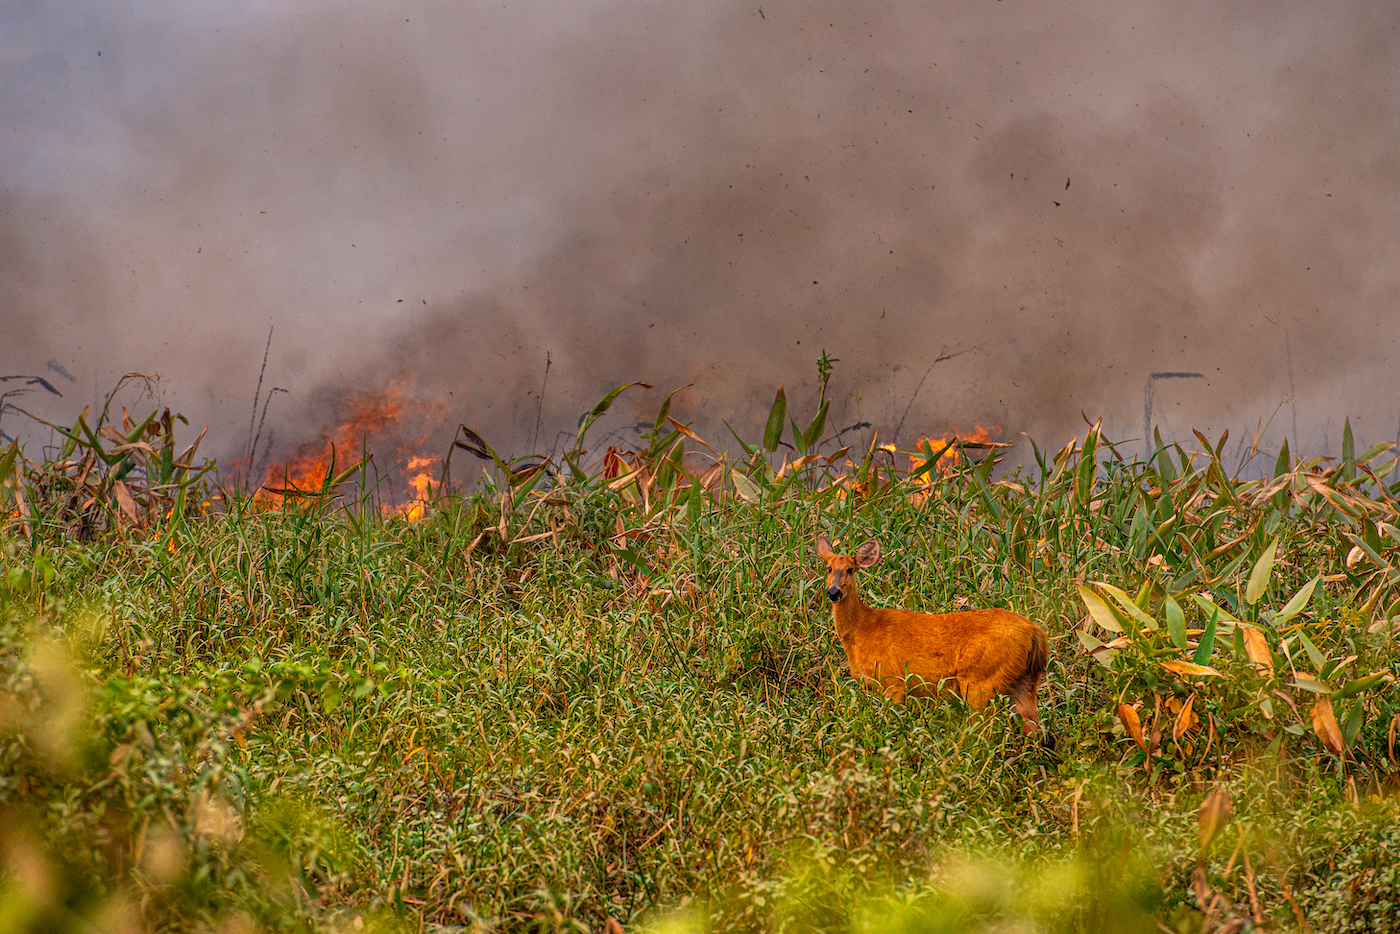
{"x": 589, "y": 697}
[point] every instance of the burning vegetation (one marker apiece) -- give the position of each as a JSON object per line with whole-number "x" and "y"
{"x": 385, "y": 420}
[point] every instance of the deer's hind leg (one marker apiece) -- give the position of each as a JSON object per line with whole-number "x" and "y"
{"x": 1025, "y": 695}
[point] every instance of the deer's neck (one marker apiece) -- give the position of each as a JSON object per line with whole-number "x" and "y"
{"x": 850, "y": 614}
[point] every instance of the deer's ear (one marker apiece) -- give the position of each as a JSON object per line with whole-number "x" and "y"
{"x": 824, "y": 548}
{"x": 868, "y": 555}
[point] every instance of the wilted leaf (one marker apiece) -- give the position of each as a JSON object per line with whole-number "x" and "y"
{"x": 1129, "y": 718}
{"x": 124, "y": 500}
{"x": 1257, "y": 648}
{"x": 1214, "y": 814}
{"x": 685, "y": 430}
{"x": 1259, "y": 577}
{"x": 1325, "y": 726}
{"x": 1183, "y": 719}
{"x": 1188, "y": 668}
{"x": 745, "y": 487}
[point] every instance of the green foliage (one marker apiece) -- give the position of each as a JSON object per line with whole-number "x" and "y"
{"x": 610, "y": 689}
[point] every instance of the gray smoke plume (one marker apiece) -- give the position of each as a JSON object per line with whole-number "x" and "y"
{"x": 996, "y": 212}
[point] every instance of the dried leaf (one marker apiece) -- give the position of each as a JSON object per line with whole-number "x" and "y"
{"x": 1257, "y": 648}
{"x": 1214, "y": 814}
{"x": 1188, "y": 668}
{"x": 124, "y": 500}
{"x": 1325, "y": 725}
{"x": 1132, "y": 724}
{"x": 691, "y": 435}
{"x": 1183, "y": 719}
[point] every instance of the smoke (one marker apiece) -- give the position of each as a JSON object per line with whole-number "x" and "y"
{"x": 1002, "y": 212}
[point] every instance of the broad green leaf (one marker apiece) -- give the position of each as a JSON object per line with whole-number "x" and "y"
{"x": 749, "y": 449}
{"x": 603, "y": 405}
{"x": 140, "y": 429}
{"x": 1129, "y": 607}
{"x": 7, "y": 461}
{"x": 798, "y": 441}
{"x": 1084, "y": 479}
{"x": 1355, "y": 717}
{"x": 813, "y": 434}
{"x": 1207, "y": 643}
{"x": 773, "y": 433}
{"x": 1176, "y": 623}
{"x": 1299, "y": 602}
{"x": 1348, "y": 452}
{"x": 1284, "y": 462}
{"x": 1311, "y": 684}
{"x": 1317, "y": 658}
{"x": 1259, "y": 577}
{"x": 1209, "y": 606}
{"x": 1099, "y": 610}
{"x": 1362, "y": 684}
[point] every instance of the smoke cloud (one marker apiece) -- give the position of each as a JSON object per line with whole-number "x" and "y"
{"x": 1003, "y": 212}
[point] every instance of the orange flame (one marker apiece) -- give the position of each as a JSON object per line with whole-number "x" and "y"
{"x": 376, "y": 420}
{"x": 950, "y": 457}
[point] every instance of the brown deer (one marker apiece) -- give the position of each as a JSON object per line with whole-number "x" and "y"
{"x": 979, "y": 653}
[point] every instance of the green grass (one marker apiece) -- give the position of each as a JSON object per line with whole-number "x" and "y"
{"x": 297, "y": 719}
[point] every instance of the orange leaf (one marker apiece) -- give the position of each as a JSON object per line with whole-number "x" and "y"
{"x": 1257, "y": 648}
{"x": 1132, "y": 724}
{"x": 1183, "y": 719}
{"x": 1188, "y": 668}
{"x": 1325, "y": 725}
{"x": 124, "y": 500}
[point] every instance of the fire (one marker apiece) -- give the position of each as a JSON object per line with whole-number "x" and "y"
{"x": 422, "y": 485}
{"x": 376, "y": 420}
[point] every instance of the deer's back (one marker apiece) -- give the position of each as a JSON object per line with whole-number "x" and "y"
{"x": 992, "y": 649}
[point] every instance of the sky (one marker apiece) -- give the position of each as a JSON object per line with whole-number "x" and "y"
{"x": 994, "y": 212}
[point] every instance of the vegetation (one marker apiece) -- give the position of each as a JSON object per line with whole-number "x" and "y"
{"x": 605, "y": 692}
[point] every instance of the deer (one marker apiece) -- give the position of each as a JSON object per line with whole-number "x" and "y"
{"x": 978, "y": 654}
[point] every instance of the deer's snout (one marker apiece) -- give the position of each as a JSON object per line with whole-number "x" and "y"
{"x": 834, "y": 593}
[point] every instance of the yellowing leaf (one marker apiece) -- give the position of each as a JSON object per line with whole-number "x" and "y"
{"x": 1129, "y": 718}
{"x": 1099, "y": 610}
{"x": 1214, "y": 814}
{"x": 1189, "y": 668}
{"x": 1325, "y": 726}
{"x": 1259, "y": 577}
{"x": 1129, "y": 606}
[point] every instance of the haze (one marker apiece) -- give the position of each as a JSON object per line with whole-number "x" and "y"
{"x": 1009, "y": 213}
